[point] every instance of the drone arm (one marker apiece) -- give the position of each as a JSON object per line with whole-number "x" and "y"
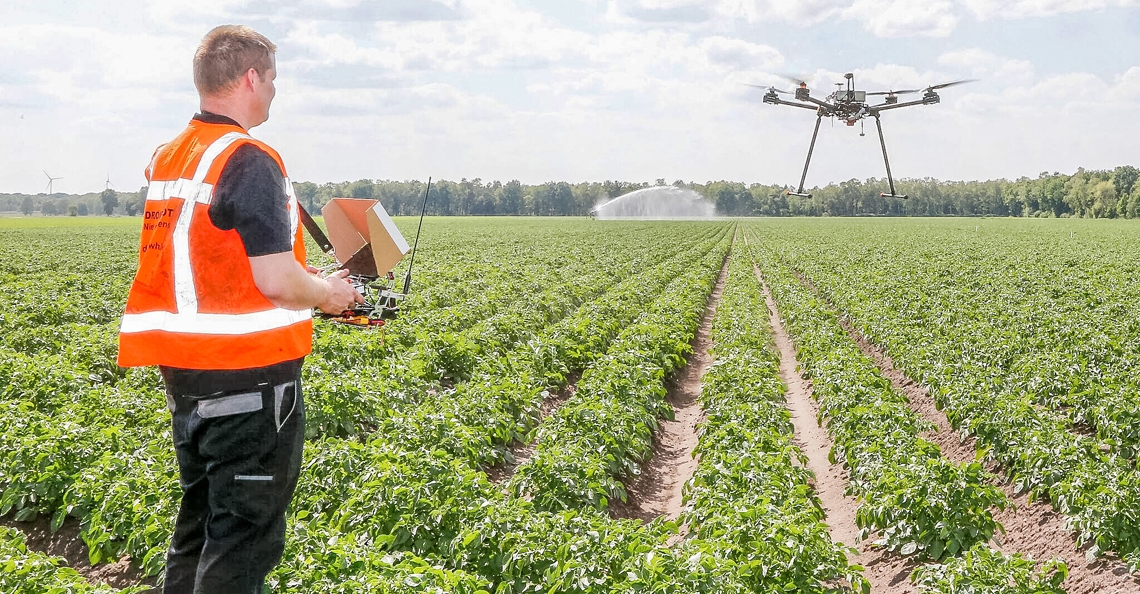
{"x": 824, "y": 106}
{"x": 929, "y": 99}
{"x": 777, "y": 101}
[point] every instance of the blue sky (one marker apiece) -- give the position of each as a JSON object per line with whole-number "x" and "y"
{"x": 579, "y": 90}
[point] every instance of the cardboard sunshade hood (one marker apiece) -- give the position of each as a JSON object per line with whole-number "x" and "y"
{"x": 364, "y": 238}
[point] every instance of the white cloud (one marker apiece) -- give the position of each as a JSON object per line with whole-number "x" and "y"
{"x": 1020, "y": 9}
{"x": 659, "y": 11}
{"x": 904, "y": 18}
{"x": 495, "y": 89}
{"x": 883, "y": 18}
{"x": 1127, "y": 87}
{"x": 978, "y": 63}
{"x": 737, "y": 54}
{"x": 806, "y": 12}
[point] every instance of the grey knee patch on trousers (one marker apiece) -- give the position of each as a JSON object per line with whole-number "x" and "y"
{"x": 229, "y": 405}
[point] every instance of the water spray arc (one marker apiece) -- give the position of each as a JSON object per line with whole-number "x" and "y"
{"x": 658, "y": 202}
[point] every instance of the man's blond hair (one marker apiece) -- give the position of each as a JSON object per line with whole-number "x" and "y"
{"x": 226, "y": 54}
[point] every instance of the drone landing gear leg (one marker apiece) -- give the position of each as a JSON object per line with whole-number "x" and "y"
{"x": 890, "y": 180}
{"x": 811, "y": 147}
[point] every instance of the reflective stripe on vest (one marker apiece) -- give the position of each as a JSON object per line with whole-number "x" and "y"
{"x": 156, "y": 327}
{"x": 200, "y": 323}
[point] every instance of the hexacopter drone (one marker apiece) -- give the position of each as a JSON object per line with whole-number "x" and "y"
{"x": 851, "y": 106}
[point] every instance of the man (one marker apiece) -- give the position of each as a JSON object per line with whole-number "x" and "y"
{"x": 222, "y": 303}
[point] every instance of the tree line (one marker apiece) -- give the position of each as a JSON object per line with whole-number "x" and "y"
{"x": 1111, "y": 193}
{"x": 76, "y": 205}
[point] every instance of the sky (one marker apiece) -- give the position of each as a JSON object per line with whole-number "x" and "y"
{"x": 579, "y": 90}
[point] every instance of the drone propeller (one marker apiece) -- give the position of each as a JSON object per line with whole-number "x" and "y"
{"x": 902, "y": 92}
{"x": 799, "y": 82}
{"x": 949, "y": 84}
{"x": 774, "y": 89}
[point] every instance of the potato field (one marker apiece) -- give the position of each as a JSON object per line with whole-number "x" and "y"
{"x": 900, "y": 405}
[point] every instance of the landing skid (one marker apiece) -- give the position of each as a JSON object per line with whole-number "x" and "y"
{"x": 811, "y": 148}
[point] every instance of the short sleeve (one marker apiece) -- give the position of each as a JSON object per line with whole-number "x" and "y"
{"x": 250, "y": 199}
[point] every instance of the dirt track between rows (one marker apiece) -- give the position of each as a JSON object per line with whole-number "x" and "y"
{"x": 522, "y": 452}
{"x": 657, "y": 491}
{"x": 1031, "y": 528}
{"x": 67, "y": 544}
{"x": 887, "y": 572}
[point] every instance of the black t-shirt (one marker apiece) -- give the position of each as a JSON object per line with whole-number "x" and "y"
{"x": 250, "y": 199}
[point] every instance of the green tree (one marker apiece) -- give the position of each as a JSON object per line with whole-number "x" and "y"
{"x": 140, "y": 199}
{"x": 1051, "y": 193}
{"x": 1124, "y": 179}
{"x": 134, "y": 202}
{"x": 26, "y": 206}
{"x": 1103, "y": 200}
{"x": 110, "y": 200}
{"x": 48, "y": 207}
{"x": 1132, "y": 206}
{"x": 81, "y": 209}
{"x": 306, "y": 194}
{"x": 361, "y": 189}
{"x": 73, "y": 211}
{"x": 511, "y": 199}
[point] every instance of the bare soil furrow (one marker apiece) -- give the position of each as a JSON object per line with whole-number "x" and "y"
{"x": 67, "y": 544}
{"x": 657, "y": 492}
{"x": 1031, "y": 528}
{"x": 887, "y": 572}
{"x": 522, "y": 452}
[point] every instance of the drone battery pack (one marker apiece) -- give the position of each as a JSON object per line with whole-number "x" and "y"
{"x": 365, "y": 240}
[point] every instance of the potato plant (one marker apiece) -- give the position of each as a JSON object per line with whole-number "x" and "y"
{"x": 912, "y": 499}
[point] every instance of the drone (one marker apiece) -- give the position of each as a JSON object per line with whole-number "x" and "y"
{"x": 365, "y": 242}
{"x": 851, "y": 106}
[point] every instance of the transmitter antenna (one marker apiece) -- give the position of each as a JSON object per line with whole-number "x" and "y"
{"x": 412, "y": 261}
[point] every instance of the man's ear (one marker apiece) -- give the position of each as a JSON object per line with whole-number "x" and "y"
{"x": 250, "y": 77}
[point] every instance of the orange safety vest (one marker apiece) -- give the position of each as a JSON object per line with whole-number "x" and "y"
{"x": 193, "y": 303}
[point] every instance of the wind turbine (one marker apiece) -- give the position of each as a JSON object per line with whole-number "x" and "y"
{"x": 109, "y": 184}
{"x": 50, "y": 180}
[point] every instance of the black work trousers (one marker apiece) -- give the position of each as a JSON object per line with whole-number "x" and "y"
{"x": 239, "y": 455}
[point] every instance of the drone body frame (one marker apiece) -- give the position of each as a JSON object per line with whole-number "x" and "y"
{"x": 850, "y": 105}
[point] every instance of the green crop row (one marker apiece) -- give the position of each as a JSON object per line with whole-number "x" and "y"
{"x": 916, "y": 500}
{"x": 982, "y": 570}
{"x": 604, "y": 431}
{"x": 377, "y": 499}
{"x": 1017, "y": 341}
{"x": 751, "y": 492}
{"x": 476, "y": 420}
{"x": 348, "y": 397}
{"x": 127, "y": 502}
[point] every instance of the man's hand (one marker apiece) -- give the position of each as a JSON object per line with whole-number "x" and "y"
{"x": 341, "y": 294}
{"x": 289, "y": 285}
